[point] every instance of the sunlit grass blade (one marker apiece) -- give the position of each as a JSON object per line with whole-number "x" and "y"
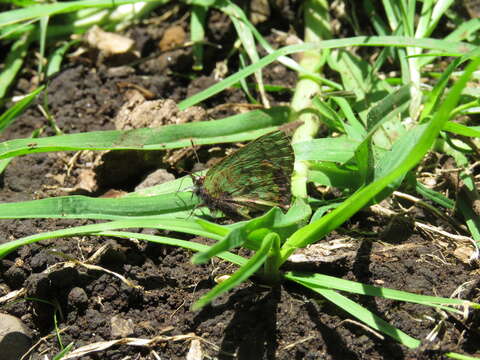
{"x": 184, "y": 226}
{"x": 189, "y": 245}
{"x": 64, "y": 352}
{"x": 13, "y": 112}
{"x": 197, "y": 34}
{"x": 366, "y": 316}
{"x": 457, "y": 48}
{"x": 465, "y": 205}
{"x": 232, "y": 129}
{"x": 234, "y": 238}
{"x": 242, "y": 274}
{"x": 433, "y": 195}
{"x": 324, "y": 281}
{"x": 339, "y": 149}
{"x": 43, "y": 28}
{"x": 56, "y": 58}
{"x": 84, "y": 207}
{"x": 13, "y": 62}
{"x": 330, "y": 174}
{"x": 433, "y": 99}
{"x": 41, "y": 10}
{"x": 250, "y": 234}
{"x": 461, "y": 129}
{"x": 422, "y": 139}
{"x": 353, "y": 127}
{"x": 389, "y": 107}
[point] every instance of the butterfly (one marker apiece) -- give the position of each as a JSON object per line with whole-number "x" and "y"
{"x": 253, "y": 178}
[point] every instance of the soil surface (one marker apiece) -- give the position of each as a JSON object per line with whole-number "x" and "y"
{"x": 250, "y": 322}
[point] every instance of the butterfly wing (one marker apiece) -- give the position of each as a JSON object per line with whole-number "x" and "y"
{"x": 257, "y": 174}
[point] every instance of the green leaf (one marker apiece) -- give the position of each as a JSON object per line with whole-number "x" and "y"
{"x": 13, "y": 62}
{"x": 165, "y": 224}
{"x": 251, "y": 233}
{"x": 84, "y": 207}
{"x": 339, "y": 149}
{"x": 242, "y": 274}
{"x": 232, "y": 129}
{"x": 13, "y": 112}
{"x": 426, "y": 137}
{"x": 461, "y": 129}
{"x": 356, "y": 310}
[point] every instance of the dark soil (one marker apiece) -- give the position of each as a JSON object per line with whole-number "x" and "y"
{"x": 250, "y": 322}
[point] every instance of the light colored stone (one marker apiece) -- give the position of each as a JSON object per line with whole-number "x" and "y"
{"x": 195, "y": 352}
{"x": 157, "y": 177}
{"x": 121, "y": 328}
{"x": 15, "y": 339}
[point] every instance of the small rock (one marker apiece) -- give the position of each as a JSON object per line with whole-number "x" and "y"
{"x": 158, "y": 177}
{"x": 108, "y": 42}
{"x": 38, "y": 285}
{"x": 64, "y": 277}
{"x": 15, "y": 339}
{"x": 120, "y": 71}
{"x": 15, "y": 276}
{"x": 114, "y": 255}
{"x": 38, "y": 262}
{"x": 397, "y": 230}
{"x": 195, "y": 352}
{"x": 172, "y": 37}
{"x": 121, "y": 328}
{"x": 77, "y": 298}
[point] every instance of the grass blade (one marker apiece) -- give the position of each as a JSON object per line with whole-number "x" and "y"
{"x": 242, "y": 274}
{"x": 232, "y": 129}
{"x": 426, "y": 136}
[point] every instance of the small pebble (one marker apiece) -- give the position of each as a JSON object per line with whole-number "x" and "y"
{"x": 77, "y": 298}
{"x": 120, "y": 327}
{"x": 15, "y": 339}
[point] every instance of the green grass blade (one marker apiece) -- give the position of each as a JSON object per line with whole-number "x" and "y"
{"x": 433, "y": 195}
{"x": 324, "y": 112}
{"x": 251, "y": 233}
{"x": 242, "y": 274}
{"x": 435, "y": 96}
{"x": 64, "y": 352}
{"x": 234, "y": 239}
{"x": 184, "y": 226}
{"x": 331, "y": 282}
{"x": 13, "y": 112}
{"x": 399, "y": 41}
{"x": 356, "y": 130}
{"x": 339, "y": 149}
{"x": 457, "y": 356}
{"x": 42, "y": 33}
{"x": 233, "y": 10}
{"x": 197, "y": 34}
{"x": 365, "y": 316}
{"x": 388, "y": 107}
{"x": 42, "y": 10}
{"x": 55, "y": 60}
{"x": 426, "y": 136}
{"x": 13, "y": 62}
{"x": 330, "y": 174}
{"x": 189, "y": 245}
{"x": 248, "y": 41}
{"x": 232, "y": 129}
{"x": 461, "y": 129}
{"x": 84, "y": 207}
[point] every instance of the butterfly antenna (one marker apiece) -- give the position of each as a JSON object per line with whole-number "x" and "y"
{"x": 195, "y": 151}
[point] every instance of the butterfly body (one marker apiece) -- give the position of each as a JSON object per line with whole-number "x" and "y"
{"x": 253, "y": 178}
